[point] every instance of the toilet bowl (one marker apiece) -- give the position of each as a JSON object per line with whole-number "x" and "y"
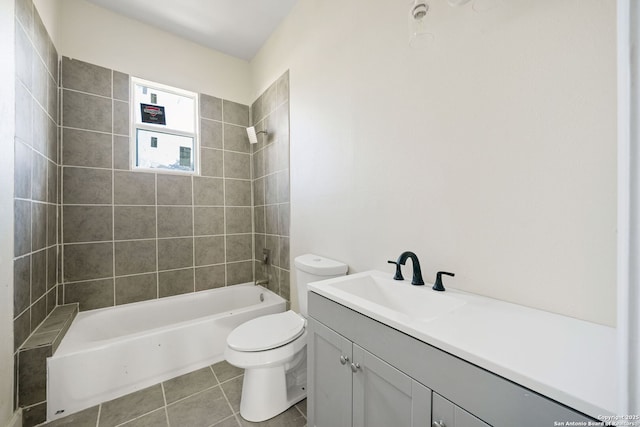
{"x": 272, "y": 349}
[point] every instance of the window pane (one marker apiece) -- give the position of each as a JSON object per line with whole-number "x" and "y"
{"x": 164, "y": 151}
{"x": 177, "y": 111}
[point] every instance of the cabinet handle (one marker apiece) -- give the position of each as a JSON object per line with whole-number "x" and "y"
{"x": 438, "y": 424}
{"x": 344, "y": 359}
{"x": 355, "y": 367}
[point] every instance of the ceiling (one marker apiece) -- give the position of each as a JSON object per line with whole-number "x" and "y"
{"x": 235, "y": 27}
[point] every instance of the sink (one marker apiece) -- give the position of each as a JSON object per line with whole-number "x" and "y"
{"x": 398, "y": 299}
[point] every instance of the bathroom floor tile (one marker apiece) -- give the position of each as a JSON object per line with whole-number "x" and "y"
{"x": 224, "y": 371}
{"x": 195, "y": 399}
{"x": 133, "y": 405}
{"x": 233, "y": 390}
{"x": 200, "y": 410}
{"x": 157, "y": 418}
{"x": 188, "y": 384}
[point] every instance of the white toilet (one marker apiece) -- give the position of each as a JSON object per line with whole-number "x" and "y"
{"x": 273, "y": 349}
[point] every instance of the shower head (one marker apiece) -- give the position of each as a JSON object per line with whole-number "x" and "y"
{"x": 253, "y": 135}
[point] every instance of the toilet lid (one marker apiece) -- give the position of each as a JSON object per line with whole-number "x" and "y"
{"x": 267, "y": 332}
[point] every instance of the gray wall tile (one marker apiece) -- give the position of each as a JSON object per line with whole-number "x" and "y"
{"x": 120, "y": 118}
{"x": 38, "y": 276}
{"x": 87, "y": 223}
{"x": 210, "y": 133}
{"x": 239, "y": 247}
{"x": 24, "y": 115}
{"x": 88, "y": 261}
{"x": 175, "y": 221}
{"x": 91, "y": 294}
{"x": 210, "y": 107}
{"x": 237, "y": 192}
{"x": 271, "y": 219}
{"x": 239, "y": 272}
{"x": 237, "y": 165}
{"x": 283, "y": 219}
{"x": 85, "y": 148}
{"x": 134, "y": 188}
{"x": 52, "y": 182}
{"x": 120, "y": 86}
{"x": 210, "y": 277}
{"x": 211, "y": 162}
{"x": 22, "y": 227}
{"x": 87, "y": 186}
{"x": 141, "y": 287}
{"x": 33, "y": 375}
{"x": 134, "y": 222}
{"x": 24, "y": 56}
{"x": 22, "y": 171}
{"x": 209, "y": 250}
{"x": 21, "y": 284}
{"x": 174, "y": 190}
{"x": 135, "y": 256}
{"x": 39, "y": 86}
{"x": 39, "y": 177}
{"x": 175, "y": 253}
{"x": 208, "y": 221}
{"x": 235, "y": 113}
{"x": 88, "y": 112}
{"x": 85, "y": 77}
{"x": 283, "y": 88}
{"x": 121, "y": 152}
{"x": 52, "y": 223}
{"x": 175, "y": 282}
{"x": 38, "y": 226}
{"x": 208, "y": 191}
{"x": 21, "y": 328}
{"x": 236, "y": 139}
{"x": 238, "y": 220}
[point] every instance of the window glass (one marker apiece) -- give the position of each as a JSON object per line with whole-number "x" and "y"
{"x": 164, "y": 127}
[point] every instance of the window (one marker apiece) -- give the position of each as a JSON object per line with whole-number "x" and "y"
{"x": 164, "y": 130}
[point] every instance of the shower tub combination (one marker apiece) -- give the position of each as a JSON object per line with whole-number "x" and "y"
{"x": 113, "y": 351}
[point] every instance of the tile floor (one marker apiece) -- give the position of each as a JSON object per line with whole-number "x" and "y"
{"x": 209, "y": 397}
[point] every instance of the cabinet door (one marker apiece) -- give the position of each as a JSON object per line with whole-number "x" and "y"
{"x": 449, "y": 415}
{"x": 329, "y": 386}
{"x": 383, "y": 396}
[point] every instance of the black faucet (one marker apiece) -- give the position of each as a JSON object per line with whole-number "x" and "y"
{"x": 417, "y": 273}
{"x": 438, "y": 286}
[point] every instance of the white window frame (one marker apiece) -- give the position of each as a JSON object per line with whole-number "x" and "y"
{"x": 155, "y": 128}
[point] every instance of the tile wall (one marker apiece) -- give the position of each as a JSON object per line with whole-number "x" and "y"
{"x": 270, "y": 113}
{"x": 36, "y": 204}
{"x": 130, "y": 236}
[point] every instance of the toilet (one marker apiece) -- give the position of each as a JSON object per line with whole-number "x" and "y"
{"x": 272, "y": 349}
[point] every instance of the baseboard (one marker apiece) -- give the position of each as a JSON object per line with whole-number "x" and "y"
{"x": 16, "y": 420}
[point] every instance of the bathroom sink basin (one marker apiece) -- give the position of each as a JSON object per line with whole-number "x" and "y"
{"x": 398, "y": 299}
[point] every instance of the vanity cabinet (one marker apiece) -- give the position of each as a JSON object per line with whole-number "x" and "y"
{"x": 364, "y": 373}
{"x": 352, "y": 387}
{"x": 446, "y": 414}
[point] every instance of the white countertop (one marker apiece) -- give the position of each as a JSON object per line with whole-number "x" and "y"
{"x": 566, "y": 359}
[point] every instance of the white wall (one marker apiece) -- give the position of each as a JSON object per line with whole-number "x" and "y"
{"x": 492, "y": 154}
{"x": 7, "y": 132}
{"x": 94, "y": 34}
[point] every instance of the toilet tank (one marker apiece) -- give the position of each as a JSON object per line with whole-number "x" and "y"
{"x": 311, "y": 268}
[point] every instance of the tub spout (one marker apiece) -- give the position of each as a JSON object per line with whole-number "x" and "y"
{"x": 262, "y": 282}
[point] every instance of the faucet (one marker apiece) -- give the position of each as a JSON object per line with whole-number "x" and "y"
{"x": 417, "y": 273}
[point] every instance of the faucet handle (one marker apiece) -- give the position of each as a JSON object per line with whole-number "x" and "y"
{"x": 398, "y": 275}
{"x": 438, "y": 286}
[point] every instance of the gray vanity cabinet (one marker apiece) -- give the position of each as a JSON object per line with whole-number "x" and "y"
{"x": 364, "y": 373}
{"x": 446, "y": 414}
{"x": 348, "y": 386}
{"x": 329, "y": 387}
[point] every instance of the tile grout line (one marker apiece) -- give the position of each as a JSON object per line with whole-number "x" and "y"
{"x": 156, "y": 238}
{"x": 166, "y": 409}
{"x": 113, "y": 191}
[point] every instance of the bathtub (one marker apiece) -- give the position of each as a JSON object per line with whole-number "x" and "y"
{"x": 114, "y": 351}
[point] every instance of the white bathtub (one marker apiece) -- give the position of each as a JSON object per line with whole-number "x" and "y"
{"x": 114, "y": 351}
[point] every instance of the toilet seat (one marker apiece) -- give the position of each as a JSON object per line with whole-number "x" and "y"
{"x": 267, "y": 332}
